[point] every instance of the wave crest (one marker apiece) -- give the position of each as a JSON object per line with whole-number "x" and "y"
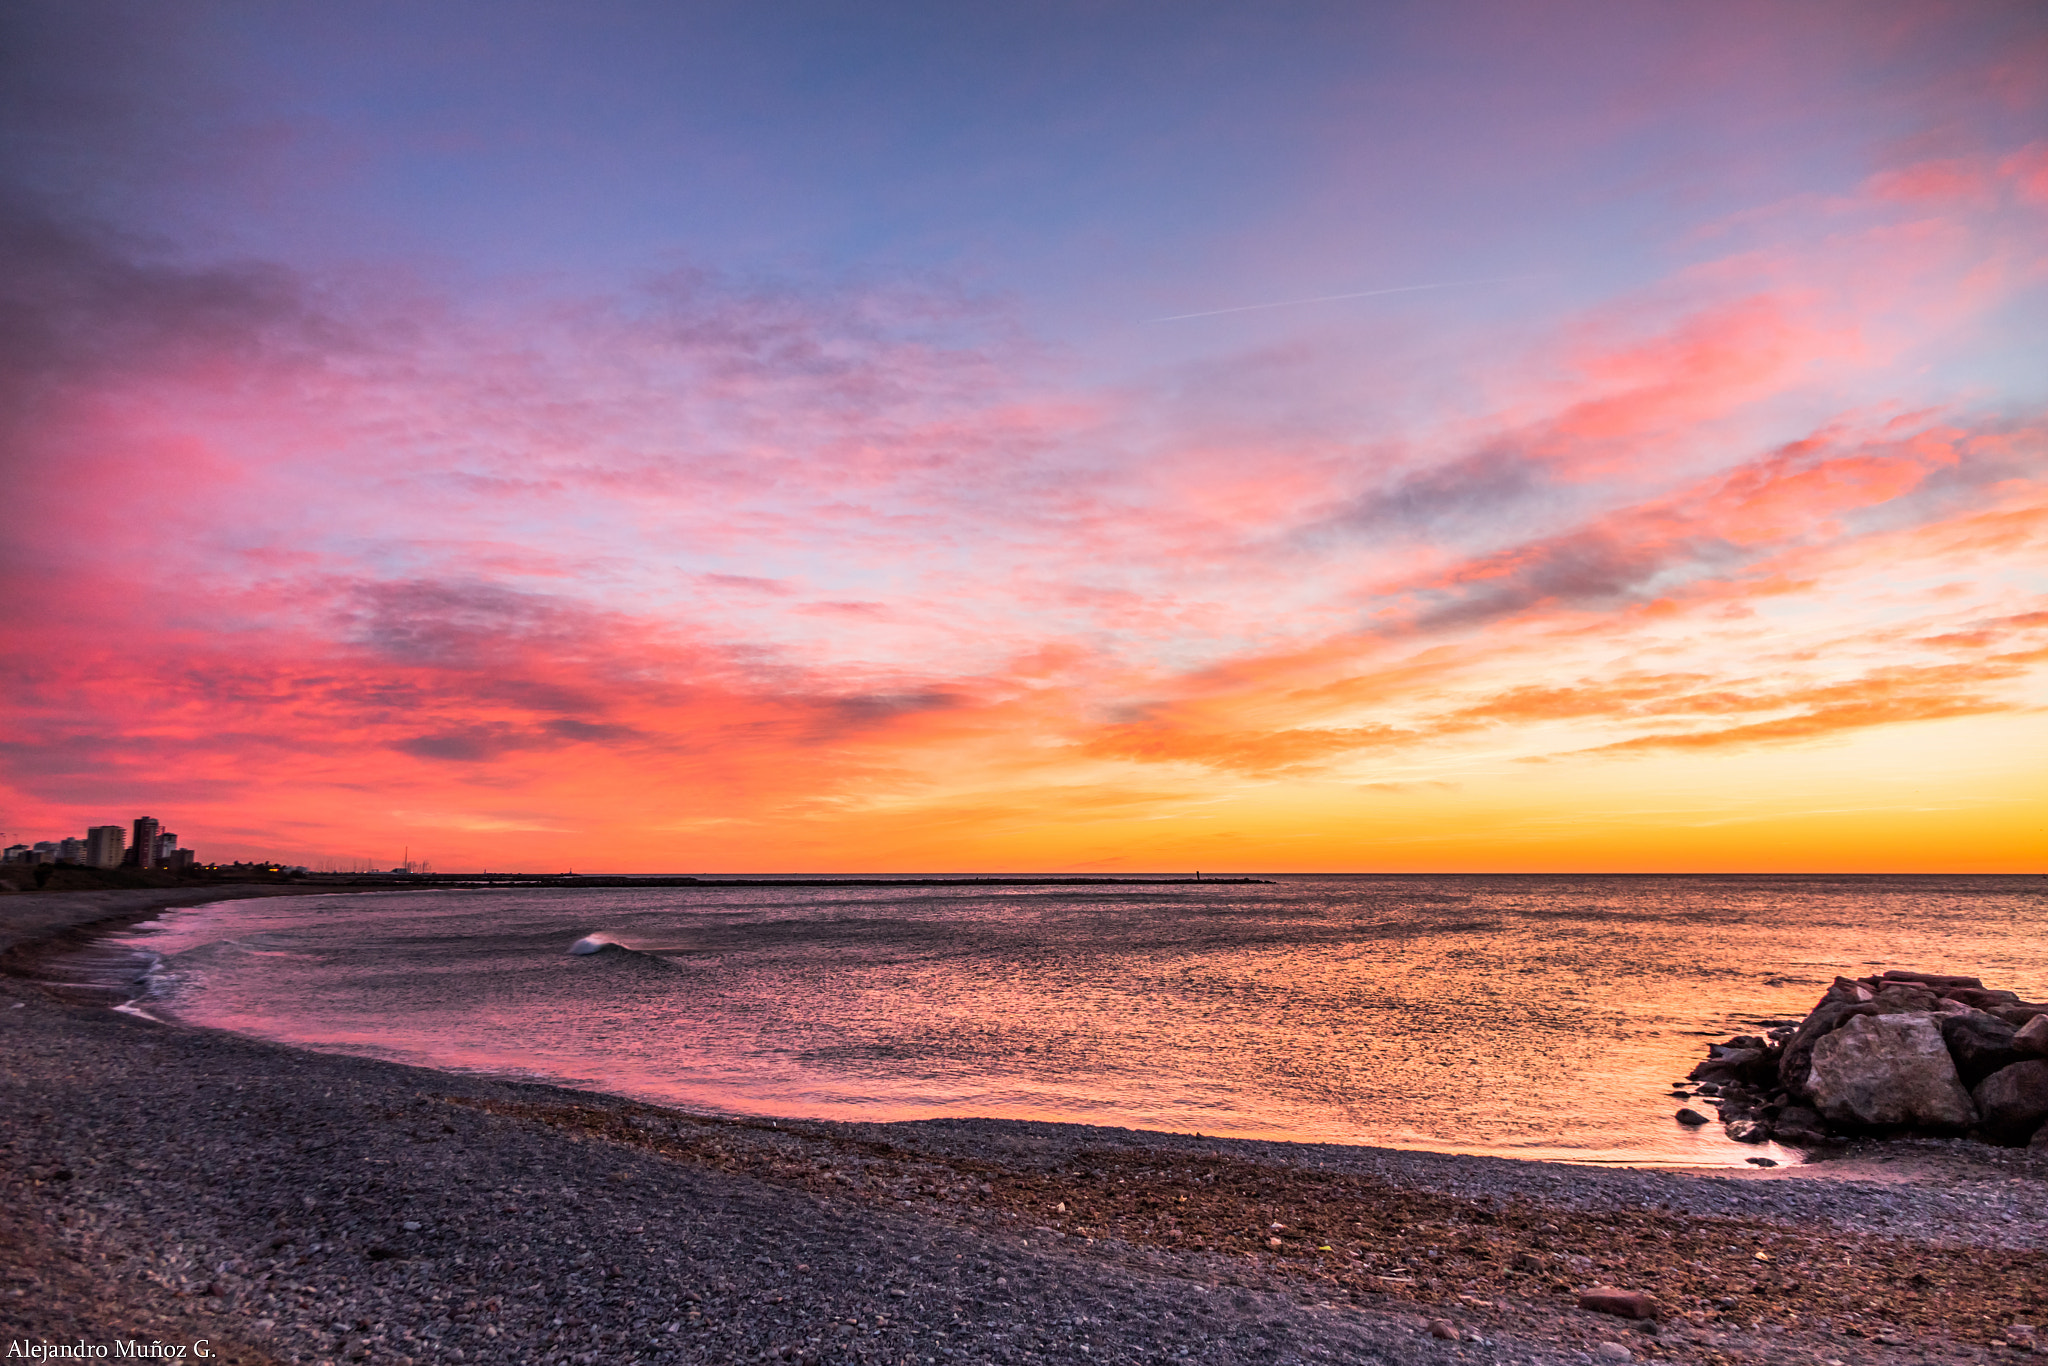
{"x": 598, "y": 948}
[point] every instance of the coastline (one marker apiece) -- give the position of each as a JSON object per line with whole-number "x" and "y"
{"x": 37, "y": 927}
{"x": 314, "y": 1207}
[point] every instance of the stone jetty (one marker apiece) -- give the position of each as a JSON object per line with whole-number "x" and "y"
{"x": 1899, "y": 1053}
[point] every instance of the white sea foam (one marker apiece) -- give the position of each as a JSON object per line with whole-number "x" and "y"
{"x": 594, "y": 943}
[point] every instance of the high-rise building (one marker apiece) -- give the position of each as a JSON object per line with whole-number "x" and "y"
{"x": 165, "y": 844}
{"x": 103, "y": 846}
{"x": 146, "y": 829}
{"x": 71, "y": 850}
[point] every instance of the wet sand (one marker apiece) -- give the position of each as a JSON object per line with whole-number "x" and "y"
{"x": 173, "y": 1184}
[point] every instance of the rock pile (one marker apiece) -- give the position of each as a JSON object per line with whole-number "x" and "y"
{"x": 1905, "y": 1052}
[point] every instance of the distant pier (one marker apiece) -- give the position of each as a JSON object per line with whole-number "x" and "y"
{"x": 458, "y": 880}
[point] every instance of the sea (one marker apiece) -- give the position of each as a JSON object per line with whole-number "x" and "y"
{"x": 1520, "y": 1016}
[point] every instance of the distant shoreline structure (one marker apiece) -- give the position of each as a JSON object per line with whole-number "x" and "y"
{"x": 457, "y": 880}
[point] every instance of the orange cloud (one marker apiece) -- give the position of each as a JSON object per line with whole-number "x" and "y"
{"x": 1250, "y": 752}
{"x": 1877, "y": 701}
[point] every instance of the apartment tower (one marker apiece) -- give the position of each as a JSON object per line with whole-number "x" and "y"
{"x": 147, "y": 828}
{"x": 104, "y": 846}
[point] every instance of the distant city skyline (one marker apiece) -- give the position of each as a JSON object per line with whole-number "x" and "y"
{"x": 109, "y": 846}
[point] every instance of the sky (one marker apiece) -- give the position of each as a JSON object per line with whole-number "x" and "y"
{"x": 1093, "y": 438}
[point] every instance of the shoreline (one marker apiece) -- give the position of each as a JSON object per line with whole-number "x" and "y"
{"x": 39, "y": 927}
{"x": 438, "y": 1217}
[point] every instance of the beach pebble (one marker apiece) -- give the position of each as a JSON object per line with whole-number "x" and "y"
{"x": 1690, "y": 1117}
{"x": 1613, "y": 1351}
{"x": 1628, "y": 1304}
{"x": 1443, "y": 1328}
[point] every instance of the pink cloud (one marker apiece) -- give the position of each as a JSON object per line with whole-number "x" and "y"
{"x": 2028, "y": 170}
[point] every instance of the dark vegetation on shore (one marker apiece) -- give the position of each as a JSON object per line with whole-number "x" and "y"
{"x": 67, "y": 877}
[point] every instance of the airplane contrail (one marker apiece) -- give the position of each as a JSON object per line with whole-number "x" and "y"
{"x": 1332, "y": 298}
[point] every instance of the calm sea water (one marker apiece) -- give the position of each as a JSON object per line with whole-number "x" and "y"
{"x": 1523, "y": 1016}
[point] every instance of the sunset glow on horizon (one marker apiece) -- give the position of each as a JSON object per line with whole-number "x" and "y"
{"x": 716, "y": 438}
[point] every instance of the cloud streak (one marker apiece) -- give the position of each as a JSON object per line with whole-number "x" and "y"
{"x": 1334, "y": 298}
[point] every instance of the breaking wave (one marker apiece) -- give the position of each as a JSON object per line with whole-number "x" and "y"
{"x": 597, "y": 948}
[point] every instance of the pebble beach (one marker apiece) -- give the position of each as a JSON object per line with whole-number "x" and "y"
{"x": 176, "y": 1186}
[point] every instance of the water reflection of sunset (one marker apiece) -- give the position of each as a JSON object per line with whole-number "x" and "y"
{"x": 1535, "y": 1017}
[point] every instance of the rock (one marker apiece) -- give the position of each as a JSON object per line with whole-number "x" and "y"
{"x": 1906, "y": 999}
{"x": 1737, "y": 1065}
{"x": 1443, "y": 1328}
{"x": 1613, "y": 1351}
{"x": 1748, "y": 1061}
{"x": 1628, "y": 1304}
{"x": 1935, "y": 980}
{"x": 2032, "y": 1037}
{"x": 2040, "y": 1143}
{"x": 2013, "y": 1102}
{"x": 1888, "y": 1071}
{"x": 1980, "y": 1044}
{"x": 1798, "y": 1125}
{"x": 2018, "y": 1016}
{"x": 1748, "y": 1130}
{"x": 1690, "y": 1117}
{"x": 1795, "y": 1066}
{"x": 1842, "y": 992}
{"x": 1983, "y": 1000}
{"x": 1737, "y": 1105}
